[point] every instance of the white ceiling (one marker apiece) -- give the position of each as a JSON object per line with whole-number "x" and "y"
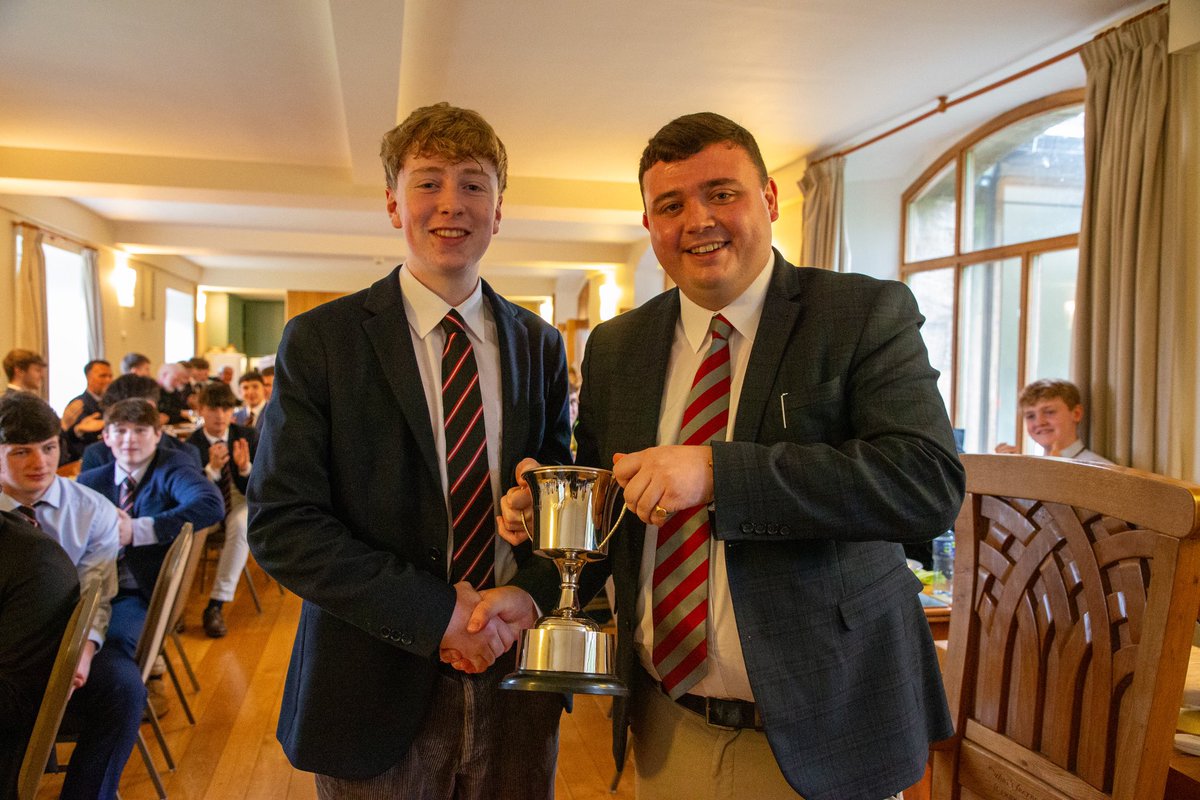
{"x": 244, "y": 136}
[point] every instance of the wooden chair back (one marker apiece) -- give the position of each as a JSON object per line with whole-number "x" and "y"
{"x": 195, "y": 553}
{"x": 162, "y": 601}
{"x": 58, "y": 691}
{"x": 1075, "y": 596}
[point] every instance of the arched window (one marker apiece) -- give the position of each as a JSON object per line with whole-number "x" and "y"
{"x": 990, "y": 249}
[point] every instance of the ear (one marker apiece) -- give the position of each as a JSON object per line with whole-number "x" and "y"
{"x": 157, "y": 437}
{"x": 771, "y": 195}
{"x": 104, "y": 435}
{"x": 496, "y": 223}
{"x": 645, "y": 221}
{"x": 1077, "y": 414}
{"x": 393, "y": 208}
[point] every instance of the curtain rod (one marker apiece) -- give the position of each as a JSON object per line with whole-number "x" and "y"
{"x": 945, "y": 103}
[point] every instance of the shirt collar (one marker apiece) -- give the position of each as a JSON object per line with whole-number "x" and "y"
{"x": 425, "y": 309}
{"x": 214, "y": 439}
{"x": 1071, "y": 450}
{"x": 51, "y": 497}
{"x": 743, "y": 313}
{"x": 119, "y": 473}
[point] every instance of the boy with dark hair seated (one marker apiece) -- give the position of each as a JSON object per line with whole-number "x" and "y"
{"x": 129, "y": 387}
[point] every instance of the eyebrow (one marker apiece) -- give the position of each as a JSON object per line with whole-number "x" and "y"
{"x": 442, "y": 170}
{"x": 711, "y": 184}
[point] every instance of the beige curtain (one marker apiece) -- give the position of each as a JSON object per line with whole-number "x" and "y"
{"x": 825, "y": 243}
{"x": 1122, "y": 343}
{"x": 31, "y": 332}
{"x": 95, "y": 309}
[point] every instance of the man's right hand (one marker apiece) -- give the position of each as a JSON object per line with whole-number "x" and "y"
{"x": 473, "y": 650}
{"x": 124, "y": 528}
{"x": 516, "y": 507}
{"x": 1005, "y": 447}
{"x": 218, "y": 454}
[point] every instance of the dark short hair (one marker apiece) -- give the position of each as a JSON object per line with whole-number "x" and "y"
{"x": 26, "y": 418}
{"x": 1048, "y": 389}
{"x": 687, "y": 135}
{"x": 250, "y": 377}
{"x": 128, "y": 386}
{"x": 268, "y": 371}
{"x": 133, "y": 411}
{"x": 198, "y": 363}
{"x": 87, "y": 368}
{"x": 21, "y": 359}
{"x": 133, "y": 360}
{"x": 443, "y": 131}
{"x": 217, "y": 395}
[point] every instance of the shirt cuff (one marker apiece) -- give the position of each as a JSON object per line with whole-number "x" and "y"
{"x": 213, "y": 475}
{"x": 143, "y": 531}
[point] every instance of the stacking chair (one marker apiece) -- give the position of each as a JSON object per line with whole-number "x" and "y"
{"x": 58, "y": 691}
{"x": 189, "y": 575}
{"x": 150, "y": 643}
{"x": 212, "y": 552}
{"x": 1075, "y": 595}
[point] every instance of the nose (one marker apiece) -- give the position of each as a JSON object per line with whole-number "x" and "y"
{"x": 698, "y": 217}
{"x": 449, "y": 201}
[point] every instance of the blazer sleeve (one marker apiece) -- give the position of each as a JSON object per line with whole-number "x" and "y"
{"x": 296, "y": 532}
{"x": 895, "y": 477}
{"x": 199, "y": 502}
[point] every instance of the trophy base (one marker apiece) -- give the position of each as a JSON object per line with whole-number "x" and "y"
{"x": 565, "y": 655}
{"x": 564, "y": 683}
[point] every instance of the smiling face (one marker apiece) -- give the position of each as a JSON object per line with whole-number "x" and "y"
{"x": 98, "y": 378}
{"x": 709, "y": 218}
{"x": 132, "y": 444}
{"x": 1052, "y": 424}
{"x": 27, "y": 470}
{"x": 253, "y": 393}
{"x": 448, "y": 212}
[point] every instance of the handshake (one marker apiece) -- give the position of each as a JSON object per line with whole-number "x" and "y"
{"x": 485, "y": 625}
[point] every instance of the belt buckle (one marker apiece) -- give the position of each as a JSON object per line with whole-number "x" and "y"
{"x": 710, "y": 720}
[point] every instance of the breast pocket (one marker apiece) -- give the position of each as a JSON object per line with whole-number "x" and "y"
{"x": 809, "y": 414}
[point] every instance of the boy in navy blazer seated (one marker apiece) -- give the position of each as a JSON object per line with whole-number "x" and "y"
{"x": 227, "y": 451}
{"x": 155, "y": 491}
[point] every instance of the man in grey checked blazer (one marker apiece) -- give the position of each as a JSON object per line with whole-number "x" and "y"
{"x": 838, "y": 451}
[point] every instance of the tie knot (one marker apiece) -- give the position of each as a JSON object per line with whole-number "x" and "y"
{"x": 28, "y": 513}
{"x": 453, "y": 323}
{"x": 720, "y": 327}
{"x": 129, "y": 484}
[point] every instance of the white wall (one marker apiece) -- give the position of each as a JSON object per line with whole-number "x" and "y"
{"x": 872, "y": 219}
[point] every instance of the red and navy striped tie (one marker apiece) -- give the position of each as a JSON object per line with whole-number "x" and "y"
{"x": 467, "y": 473}
{"x": 680, "y": 584}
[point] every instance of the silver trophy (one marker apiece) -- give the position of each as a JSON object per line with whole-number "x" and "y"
{"x": 566, "y": 651}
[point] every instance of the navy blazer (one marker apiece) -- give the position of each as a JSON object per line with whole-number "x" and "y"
{"x": 173, "y": 492}
{"x": 199, "y": 440}
{"x": 99, "y": 453}
{"x": 347, "y": 511}
{"x": 842, "y": 449}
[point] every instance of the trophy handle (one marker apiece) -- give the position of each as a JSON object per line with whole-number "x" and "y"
{"x": 616, "y": 525}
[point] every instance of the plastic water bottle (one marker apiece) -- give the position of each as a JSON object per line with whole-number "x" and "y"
{"x": 943, "y": 566}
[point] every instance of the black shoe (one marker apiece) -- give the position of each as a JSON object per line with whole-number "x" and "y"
{"x": 214, "y": 622}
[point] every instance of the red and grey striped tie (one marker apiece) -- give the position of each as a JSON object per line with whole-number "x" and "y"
{"x": 466, "y": 459}
{"x": 680, "y": 584}
{"x": 126, "y": 494}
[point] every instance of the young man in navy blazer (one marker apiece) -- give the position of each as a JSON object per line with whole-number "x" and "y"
{"x": 227, "y": 451}
{"x": 350, "y": 496}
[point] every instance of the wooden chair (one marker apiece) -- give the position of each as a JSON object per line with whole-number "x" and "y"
{"x": 189, "y": 576}
{"x": 58, "y": 692}
{"x": 1075, "y": 595}
{"x": 150, "y": 643}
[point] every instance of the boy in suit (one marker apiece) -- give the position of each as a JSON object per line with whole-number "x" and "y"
{"x": 254, "y": 400}
{"x": 106, "y": 707}
{"x": 396, "y": 412}
{"x": 227, "y": 451}
{"x": 140, "y": 387}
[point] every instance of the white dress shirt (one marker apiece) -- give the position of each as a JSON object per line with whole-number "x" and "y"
{"x": 425, "y": 310}
{"x": 143, "y": 527}
{"x": 84, "y": 523}
{"x": 726, "y": 676}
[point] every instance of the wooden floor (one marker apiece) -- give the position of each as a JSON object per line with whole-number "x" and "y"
{"x": 231, "y": 753}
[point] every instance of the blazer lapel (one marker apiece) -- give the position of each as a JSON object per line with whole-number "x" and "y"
{"x": 389, "y": 335}
{"x": 781, "y": 310}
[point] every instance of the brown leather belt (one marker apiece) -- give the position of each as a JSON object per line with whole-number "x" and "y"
{"x": 728, "y": 714}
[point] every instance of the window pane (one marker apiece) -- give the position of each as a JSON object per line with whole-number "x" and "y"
{"x": 180, "y": 340}
{"x": 1025, "y": 182}
{"x": 934, "y": 290}
{"x": 988, "y": 339}
{"x": 66, "y": 322}
{"x": 1051, "y": 319}
{"x": 930, "y": 215}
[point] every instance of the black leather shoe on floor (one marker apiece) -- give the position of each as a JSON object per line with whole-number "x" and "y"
{"x": 214, "y": 622}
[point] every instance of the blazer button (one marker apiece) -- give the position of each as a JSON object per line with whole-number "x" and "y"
{"x": 747, "y": 527}
{"x": 784, "y": 530}
{"x": 772, "y": 528}
{"x": 385, "y": 633}
{"x": 434, "y": 553}
{"x": 405, "y": 638}
{"x": 760, "y": 528}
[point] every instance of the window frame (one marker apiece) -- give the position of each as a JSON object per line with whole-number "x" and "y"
{"x": 1026, "y": 251}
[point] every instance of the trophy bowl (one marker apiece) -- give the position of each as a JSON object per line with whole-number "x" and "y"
{"x": 566, "y": 651}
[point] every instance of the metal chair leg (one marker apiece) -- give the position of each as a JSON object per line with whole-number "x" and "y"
{"x": 253, "y": 591}
{"x": 158, "y": 734}
{"x": 187, "y": 709}
{"x": 153, "y": 770}
{"x": 187, "y": 663}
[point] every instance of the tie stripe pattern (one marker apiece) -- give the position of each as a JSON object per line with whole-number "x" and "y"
{"x": 225, "y": 484}
{"x": 126, "y": 493}
{"x": 680, "y": 583}
{"x": 29, "y": 514}
{"x": 471, "y": 504}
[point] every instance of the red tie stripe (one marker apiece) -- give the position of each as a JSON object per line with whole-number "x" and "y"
{"x": 680, "y": 582}
{"x": 470, "y": 486}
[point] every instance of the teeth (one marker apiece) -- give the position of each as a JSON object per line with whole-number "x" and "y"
{"x": 706, "y": 248}
{"x": 450, "y": 233}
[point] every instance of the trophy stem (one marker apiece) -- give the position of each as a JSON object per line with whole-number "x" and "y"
{"x": 569, "y": 567}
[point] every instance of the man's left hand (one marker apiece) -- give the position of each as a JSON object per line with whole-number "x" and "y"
{"x": 241, "y": 455}
{"x": 659, "y": 481}
{"x": 85, "y": 665}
